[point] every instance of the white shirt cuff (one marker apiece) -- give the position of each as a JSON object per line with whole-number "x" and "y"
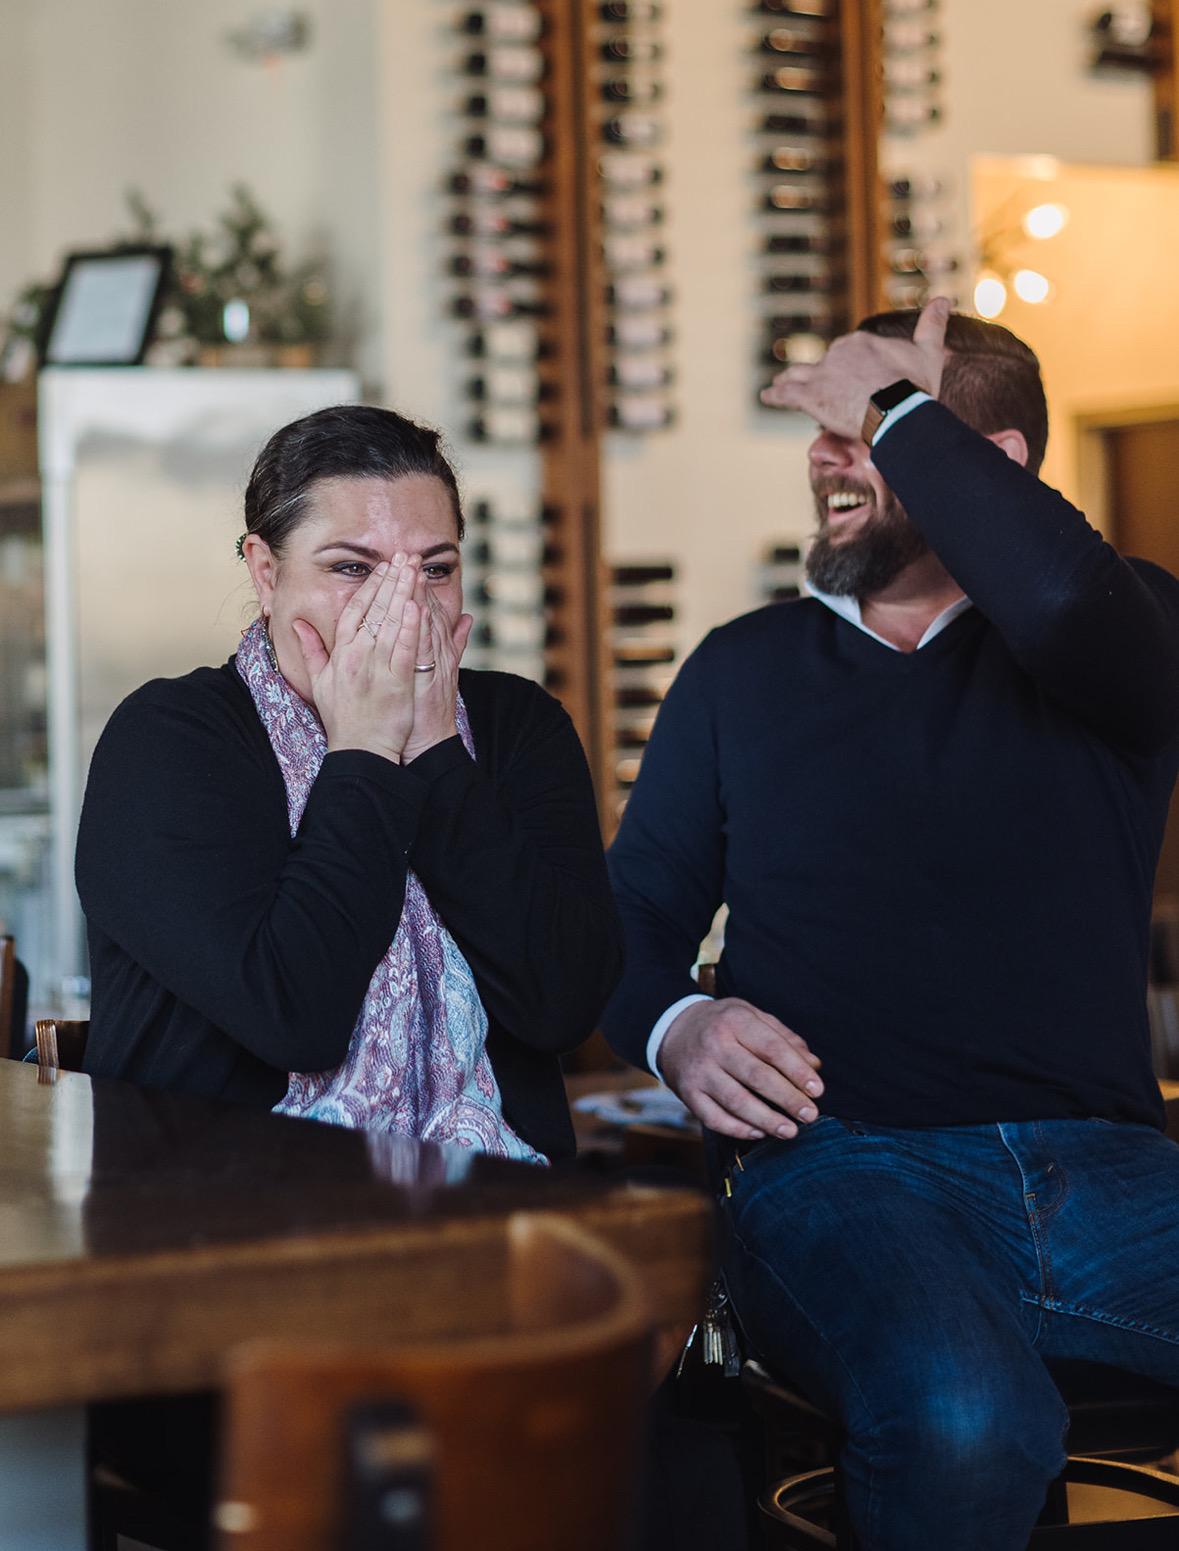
{"x": 899, "y": 411}
{"x": 655, "y": 1038}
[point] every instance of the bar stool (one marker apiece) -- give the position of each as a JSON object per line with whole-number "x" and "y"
{"x": 1115, "y": 1419}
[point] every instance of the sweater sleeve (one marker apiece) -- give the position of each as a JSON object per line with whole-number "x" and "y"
{"x": 1100, "y": 634}
{"x": 667, "y": 862}
{"x": 510, "y": 855}
{"x": 185, "y": 859}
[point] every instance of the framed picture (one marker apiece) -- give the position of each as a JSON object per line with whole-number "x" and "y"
{"x": 104, "y": 310}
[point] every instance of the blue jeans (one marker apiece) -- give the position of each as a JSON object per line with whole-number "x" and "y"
{"x": 914, "y": 1283}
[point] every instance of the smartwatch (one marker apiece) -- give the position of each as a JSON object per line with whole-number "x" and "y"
{"x": 882, "y": 401}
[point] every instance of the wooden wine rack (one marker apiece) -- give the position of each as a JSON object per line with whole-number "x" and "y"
{"x": 578, "y": 655}
{"x": 1166, "y": 80}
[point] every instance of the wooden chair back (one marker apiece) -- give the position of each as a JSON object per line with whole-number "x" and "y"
{"x": 8, "y": 1033}
{"x": 61, "y": 1043}
{"x": 533, "y": 1412}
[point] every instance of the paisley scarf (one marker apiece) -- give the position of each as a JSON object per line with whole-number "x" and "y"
{"x": 417, "y": 1062}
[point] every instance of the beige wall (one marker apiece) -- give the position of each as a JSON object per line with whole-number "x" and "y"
{"x": 109, "y": 94}
{"x": 1108, "y": 337}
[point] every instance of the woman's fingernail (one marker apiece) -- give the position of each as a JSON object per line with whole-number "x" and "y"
{"x": 382, "y": 568}
{"x": 814, "y": 1087}
{"x": 399, "y": 557}
{"x": 808, "y": 1112}
{"x": 786, "y": 1132}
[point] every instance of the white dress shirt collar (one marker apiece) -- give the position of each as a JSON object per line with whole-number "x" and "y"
{"x": 849, "y": 608}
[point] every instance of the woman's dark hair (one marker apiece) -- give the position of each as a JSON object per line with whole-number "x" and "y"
{"x": 991, "y": 378}
{"x": 348, "y": 441}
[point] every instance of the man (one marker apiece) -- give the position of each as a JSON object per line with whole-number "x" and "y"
{"x": 932, "y": 796}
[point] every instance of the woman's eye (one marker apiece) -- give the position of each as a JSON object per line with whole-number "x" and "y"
{"x": 437, "y": 572}
{"x": 356, "y": 570}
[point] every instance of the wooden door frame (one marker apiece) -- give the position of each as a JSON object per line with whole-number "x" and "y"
{"x": 1090, "y": 429}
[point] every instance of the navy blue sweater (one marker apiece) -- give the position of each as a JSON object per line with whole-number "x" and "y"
{"x": 938, "y": 864}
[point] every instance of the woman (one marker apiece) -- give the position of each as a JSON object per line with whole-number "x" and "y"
{"x": 337, "y": 876}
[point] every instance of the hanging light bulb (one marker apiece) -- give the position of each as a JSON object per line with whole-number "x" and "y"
{"x": 1043, "y": 221}
{"x": 1031, "y": 286}
{"x": 990, "y": 296}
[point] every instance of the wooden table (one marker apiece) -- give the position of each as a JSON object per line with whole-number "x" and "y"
{"x": 142, "y": 1235}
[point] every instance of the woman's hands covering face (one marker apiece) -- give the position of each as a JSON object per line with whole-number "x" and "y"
{"x": 368, "y": 691}
{"x": 436, "y": 688}
{"x": 364, "y": 688}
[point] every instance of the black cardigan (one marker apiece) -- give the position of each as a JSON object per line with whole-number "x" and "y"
{"x": 225, "y": 955}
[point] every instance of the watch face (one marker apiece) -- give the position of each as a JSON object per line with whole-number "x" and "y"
{"x": 896, "y": 393}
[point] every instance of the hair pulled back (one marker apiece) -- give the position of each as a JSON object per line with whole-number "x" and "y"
{"x": 348, "y": 441}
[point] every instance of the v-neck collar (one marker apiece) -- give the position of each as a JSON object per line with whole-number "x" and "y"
{"x": 849, "y": 608}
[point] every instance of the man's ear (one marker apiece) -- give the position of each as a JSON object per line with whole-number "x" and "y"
{"x": 1014, "y": 444}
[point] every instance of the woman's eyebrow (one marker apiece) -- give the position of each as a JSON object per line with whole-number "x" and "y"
{"x": 372, "y": 554}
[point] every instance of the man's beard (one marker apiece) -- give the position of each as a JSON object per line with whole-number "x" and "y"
{"x": 867, "y": 561}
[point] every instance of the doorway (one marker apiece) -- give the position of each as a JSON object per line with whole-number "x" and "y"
{"x": 1142, "y": 475}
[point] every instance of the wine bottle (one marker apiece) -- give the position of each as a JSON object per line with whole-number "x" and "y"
{"x": 641, "y": 373}
{"x": 522, "y": 65}
{"x": 795, "y": 124}
{"x": 917, "y": 223}
{"x": 906, "y": 115}
{"x": 514, "y": 341}
{"x": 797, "y": 158}
{"x": 514, "y": 591}
{"x": 508, "y": 105}
{"x": 509, "y": 423}
{"x": 633, "y": 573}
{"x": 803, "y": 347}
{"x": 638, "y": 333}
{"x": 909, "y": 35}
{"x": 505, "y": 23}
{"x": 903, "y": 74}
{"x": 788, "y": 40}
{"x": 796, "y": 78}
{"x": 637, "y": 130}
{"x": 482, "y": 222}
{"x": 915, "y": 188}
{"x": 637, "y": 293}
{"x": 511, "y": 145}
{"x": 511, "y": 385}
{"x": 813, "y": 284}
{"x": 489, "y": 264}
{"x": 799, "y": 242}
{"x": 783, "y": 554}
{"x": 630, "y": 12}
{"x": 640, "y": 415}
{"x": 808, "y": 314}
{"x": 626, "y": 770}
{"x": 494, "y": 182}
{"x": 914, "y": 261}
{"x": 799, "y": 7}
{"x": 630, "y": 697}
{"x": 631, "y": 252}
{"x": 790, "y": 196}
{"x": 631, "y": 51}
{"x": 625, "y": 212}
{"x": 634, "y": 93}
{"x": 621, "y": 171}
{"x": 491, "y": 305}
{"x": 634, "y": 735}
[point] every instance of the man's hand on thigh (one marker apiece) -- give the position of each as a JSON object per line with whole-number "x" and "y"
{"x": 739, "y": 1070}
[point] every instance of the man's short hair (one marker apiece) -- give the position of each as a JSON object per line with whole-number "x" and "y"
{"x": 991, "y": 379}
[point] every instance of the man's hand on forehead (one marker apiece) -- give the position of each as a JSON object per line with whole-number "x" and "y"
{"x": 835, "y": 390}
